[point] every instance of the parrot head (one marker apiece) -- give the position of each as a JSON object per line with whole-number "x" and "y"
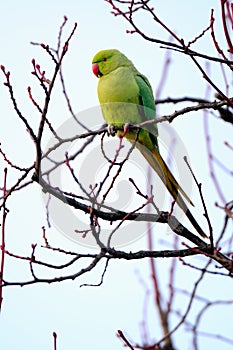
{"x": 106, "y": 61}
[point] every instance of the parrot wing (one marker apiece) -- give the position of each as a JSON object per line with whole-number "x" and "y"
{"x": 147, "y": 106}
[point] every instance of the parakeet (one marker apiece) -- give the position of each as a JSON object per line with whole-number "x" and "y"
{"x": 126, "y": 97}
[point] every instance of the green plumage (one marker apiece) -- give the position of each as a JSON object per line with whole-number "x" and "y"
{"x": 126, "y": 96}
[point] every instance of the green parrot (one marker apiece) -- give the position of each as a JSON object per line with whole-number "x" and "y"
{"x": 126, "y": 97}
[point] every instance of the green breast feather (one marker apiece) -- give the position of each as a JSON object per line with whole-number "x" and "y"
{"x": 126, "y": 97}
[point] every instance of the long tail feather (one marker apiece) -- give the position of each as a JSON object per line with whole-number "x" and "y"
{"x": 157, "y": 163}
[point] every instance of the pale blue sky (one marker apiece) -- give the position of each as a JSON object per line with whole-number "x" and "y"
{"x": 89, "y": 317}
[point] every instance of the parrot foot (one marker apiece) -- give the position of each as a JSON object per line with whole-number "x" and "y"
{"x": 126, "y": 129}
{"x": 111, "y": 130}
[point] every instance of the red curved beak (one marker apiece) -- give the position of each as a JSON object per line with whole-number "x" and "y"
{"x": 95, "y": 69}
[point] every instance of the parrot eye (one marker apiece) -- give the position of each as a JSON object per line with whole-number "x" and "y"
{"x": 104, "y": 59}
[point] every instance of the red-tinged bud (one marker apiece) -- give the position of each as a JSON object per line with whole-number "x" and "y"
{"x": 3, "y": 68}
{"x": 38, "y": 66}
{"x": 43, "y": 45}
{"x": 130, "y": 31}
{"x": 8, "y": 74}
{"x": 67, "y": 160}
{"x": 33, "y": 246}
{"x": 33, "y": 62}
{"x": 65, "y": 18}
{"x": 65, "y": 48}
{"x": 29, "y": 88}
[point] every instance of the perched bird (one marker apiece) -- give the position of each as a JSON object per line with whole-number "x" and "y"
{"x": 126, "y": 97}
